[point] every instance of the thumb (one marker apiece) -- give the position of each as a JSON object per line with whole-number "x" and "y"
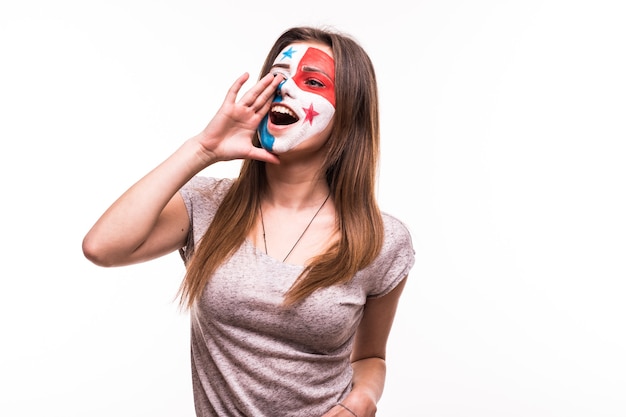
{"x": 263, "y": 155}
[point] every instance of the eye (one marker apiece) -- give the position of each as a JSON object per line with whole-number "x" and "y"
{"x": 313, "y": 82}
{"x": 278, "y": 71}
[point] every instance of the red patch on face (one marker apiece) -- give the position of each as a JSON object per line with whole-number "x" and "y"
{"x": 316, "y": 74}
{"x": 310, "y": 114}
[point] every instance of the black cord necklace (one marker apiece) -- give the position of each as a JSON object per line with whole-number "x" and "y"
{"x": 305, "y": 229}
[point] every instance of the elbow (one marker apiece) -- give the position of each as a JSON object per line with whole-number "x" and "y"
{"x": 96, "y": 252}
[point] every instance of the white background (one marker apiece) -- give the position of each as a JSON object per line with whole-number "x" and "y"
{"x": 503, "y": 150}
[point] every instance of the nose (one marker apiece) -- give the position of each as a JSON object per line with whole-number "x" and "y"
{"x": 285, "y": 87}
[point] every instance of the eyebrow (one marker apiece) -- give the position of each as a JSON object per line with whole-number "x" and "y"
{"x": 314, "y": 69}
{"x": 306, "y": 68}
{"x": 286, "y": 66}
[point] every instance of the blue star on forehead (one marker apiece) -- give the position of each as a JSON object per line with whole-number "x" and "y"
{"x": 288, "y": 53}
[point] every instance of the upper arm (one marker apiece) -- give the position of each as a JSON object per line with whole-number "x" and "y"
{"x": 169, "y": 233}
{"x": 373, "y": 331}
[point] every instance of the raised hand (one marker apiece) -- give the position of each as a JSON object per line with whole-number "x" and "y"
{"x": 229, "y": 134}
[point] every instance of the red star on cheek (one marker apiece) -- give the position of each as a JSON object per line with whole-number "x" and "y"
{"x": 310, "y": 113}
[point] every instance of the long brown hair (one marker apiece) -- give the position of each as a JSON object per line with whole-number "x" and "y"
{"x": 351, "y": 169}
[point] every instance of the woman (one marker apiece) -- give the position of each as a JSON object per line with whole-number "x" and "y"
{"x": 293, "y": 274}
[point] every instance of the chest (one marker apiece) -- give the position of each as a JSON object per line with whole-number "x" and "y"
{"x": 246, "y": 295}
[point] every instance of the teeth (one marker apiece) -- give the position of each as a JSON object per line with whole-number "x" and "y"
{"x": 283, "y": 110}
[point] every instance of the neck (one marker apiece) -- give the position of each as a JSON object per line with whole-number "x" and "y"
{"x": 295, "y": 188}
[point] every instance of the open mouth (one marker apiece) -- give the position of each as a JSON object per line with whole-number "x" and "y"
{"x": 281, "y": 115}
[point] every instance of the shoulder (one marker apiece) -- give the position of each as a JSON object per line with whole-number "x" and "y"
{"x": 395, "y": 260}
{"x": 397, "y": 234}
{"x": 207, "y": 186}
{"x": 205, "y": 191}
{"x": 202, "y": 197}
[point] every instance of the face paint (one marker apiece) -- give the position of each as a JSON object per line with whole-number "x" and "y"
{"x": 305, "y": 101}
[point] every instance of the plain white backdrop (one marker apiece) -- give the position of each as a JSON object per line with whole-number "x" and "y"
{"x": 504, "y": 151}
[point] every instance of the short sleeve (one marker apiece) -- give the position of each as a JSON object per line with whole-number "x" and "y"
{"x": 396, "y": 259}
{"x": 202, "y": 197}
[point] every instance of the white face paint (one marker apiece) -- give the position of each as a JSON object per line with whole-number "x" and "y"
{"x": 305, "y": 102}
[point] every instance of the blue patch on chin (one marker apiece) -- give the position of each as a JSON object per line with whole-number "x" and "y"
{"x": 267, "y": 140}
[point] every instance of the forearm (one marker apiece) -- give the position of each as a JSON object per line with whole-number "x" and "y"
{"x": 367, "y": 386}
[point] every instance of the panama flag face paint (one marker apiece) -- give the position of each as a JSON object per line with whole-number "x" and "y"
{"x": 305, "y": 101}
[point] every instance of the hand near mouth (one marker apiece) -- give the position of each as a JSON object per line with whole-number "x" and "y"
{"x": 228, "y": 135}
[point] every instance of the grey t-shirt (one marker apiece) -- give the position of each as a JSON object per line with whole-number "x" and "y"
{"x": 253, "y": 357}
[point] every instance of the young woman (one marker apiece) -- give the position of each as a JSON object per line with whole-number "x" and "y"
{"x": 293, "y": 273}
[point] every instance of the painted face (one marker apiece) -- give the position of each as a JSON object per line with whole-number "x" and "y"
{"x": 305, "y": 101}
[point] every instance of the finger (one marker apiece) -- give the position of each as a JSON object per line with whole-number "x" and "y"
{"x": 234, "y": 89}
{"x": 265, "y": 84}
{"x": 264, "y": 99}
{"x": 263, "y": 155}
{"x": 263, "y": 107}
